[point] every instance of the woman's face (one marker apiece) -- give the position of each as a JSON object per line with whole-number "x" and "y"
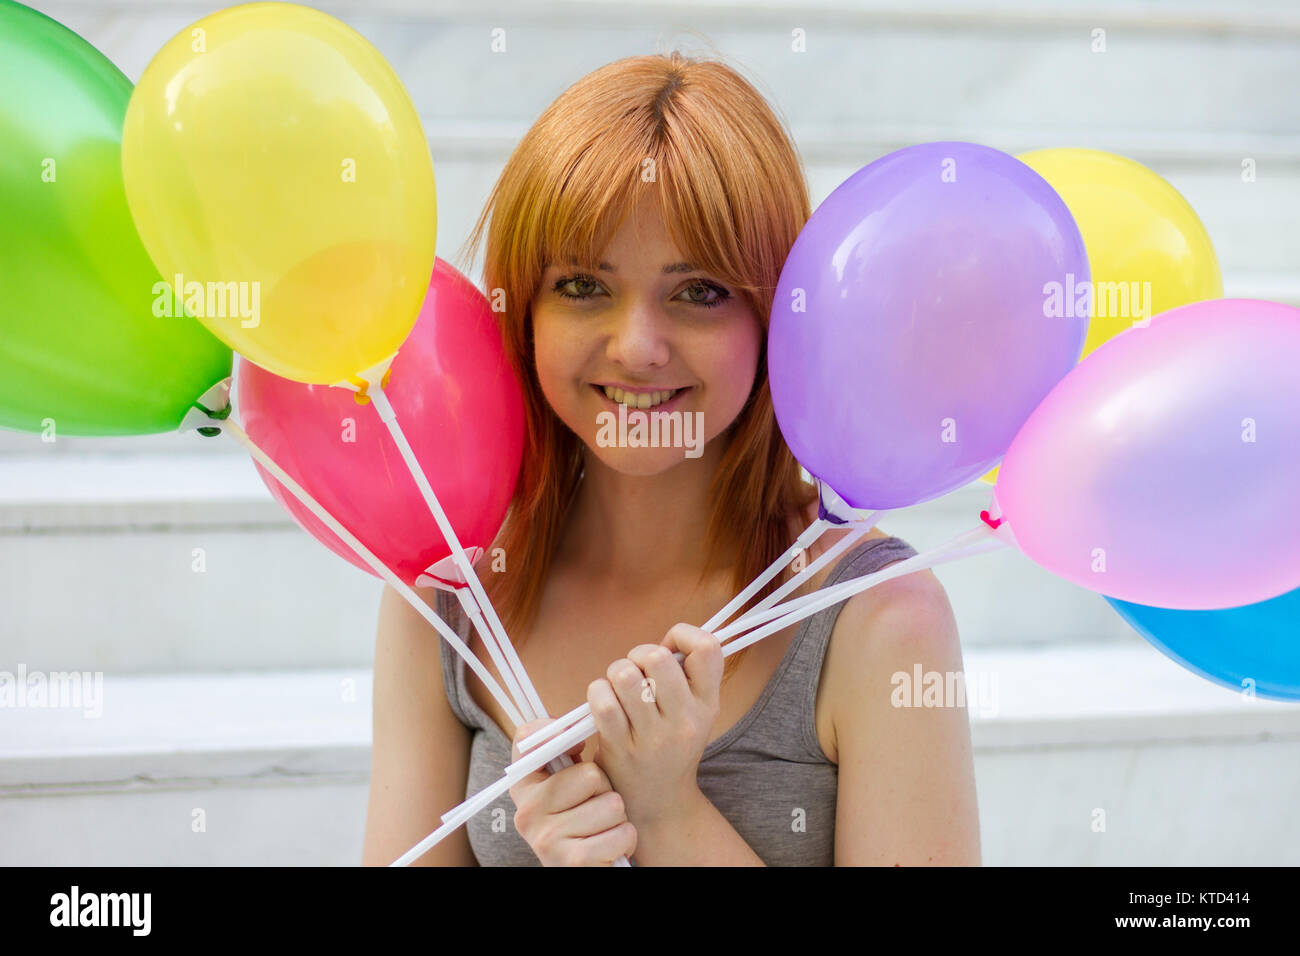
{"x": 681, "y": 346}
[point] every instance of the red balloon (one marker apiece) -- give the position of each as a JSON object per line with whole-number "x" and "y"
{"x": 461, "y": 408}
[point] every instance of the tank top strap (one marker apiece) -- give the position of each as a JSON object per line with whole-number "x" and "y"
{"x": 462, "y": 705}
{"x": 786, "y": 724}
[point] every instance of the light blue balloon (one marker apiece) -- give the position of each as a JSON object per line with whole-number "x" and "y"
{"x": 1255, "y": 642}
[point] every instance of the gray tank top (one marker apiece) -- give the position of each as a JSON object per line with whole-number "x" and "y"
{"x": 767, "y": 774}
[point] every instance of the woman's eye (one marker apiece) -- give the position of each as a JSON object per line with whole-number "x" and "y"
{"x": 704, "y": 294}
{"x": 582, "y": 287}
{"x": 696, "y": 294}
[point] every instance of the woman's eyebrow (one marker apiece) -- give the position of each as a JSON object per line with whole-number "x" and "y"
{"x": 607, "y": 267}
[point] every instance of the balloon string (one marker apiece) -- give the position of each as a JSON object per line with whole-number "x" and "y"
{"x": 810, "y": 535}
{"x": 489, "y": 625}
{"x": 514, "y": 673}
{"x": 858, "y": 528}
{"x": 974, "y": 541}
{"x": 805, "y": 540}
{"x": 400, "y": 586}
{"x": 977, "y": 540}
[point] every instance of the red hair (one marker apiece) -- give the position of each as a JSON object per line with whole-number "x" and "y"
{"x": 731, "y": 188}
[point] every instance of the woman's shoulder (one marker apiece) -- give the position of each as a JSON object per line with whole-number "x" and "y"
{"x": 881, "y": 630}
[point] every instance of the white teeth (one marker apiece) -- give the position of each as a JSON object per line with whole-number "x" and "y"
{"x": 643, "y": 400}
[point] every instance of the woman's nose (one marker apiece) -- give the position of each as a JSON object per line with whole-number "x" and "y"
{"x": 638, "y": 337}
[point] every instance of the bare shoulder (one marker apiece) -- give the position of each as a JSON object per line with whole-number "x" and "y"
{"x": 880, "y": 632}
{"x": 900, "y": 612}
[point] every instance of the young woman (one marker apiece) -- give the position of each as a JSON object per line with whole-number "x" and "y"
{"x": 637, "y": 235}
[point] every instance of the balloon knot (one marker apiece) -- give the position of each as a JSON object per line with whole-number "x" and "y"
{"x": 991, "y": 522}
{"x": 825, "y": 515}
{"x": 361, "y": 396}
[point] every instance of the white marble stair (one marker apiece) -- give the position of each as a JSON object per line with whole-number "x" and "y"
{"x": 131, "y": 563}
{"x": 1191, "y": 89}
{"x": 277, "y": 764}
{"x": 166, "y": 562}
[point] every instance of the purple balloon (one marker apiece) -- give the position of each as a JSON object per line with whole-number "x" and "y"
{"x": 1164, "y": 469}
{"x": 913, "y": 329}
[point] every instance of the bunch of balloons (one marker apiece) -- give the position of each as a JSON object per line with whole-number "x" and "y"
{"x": 266, "y": 188}
{"x": 951, "y": 290}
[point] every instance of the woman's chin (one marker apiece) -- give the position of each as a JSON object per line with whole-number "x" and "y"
{"x": 639, "y": 462}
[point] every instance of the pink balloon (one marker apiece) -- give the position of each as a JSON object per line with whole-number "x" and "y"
{"x": 1164, "y": 469}
{"x": 460, "y": 407}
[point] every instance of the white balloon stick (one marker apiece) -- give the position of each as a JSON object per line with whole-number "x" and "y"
{"x": 232, "y": 427}
{"x": 977, "y": 540}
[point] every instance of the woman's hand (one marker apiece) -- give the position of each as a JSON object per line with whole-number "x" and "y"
{"x": 654, "y": 717}
{"x": 572, "y": 817}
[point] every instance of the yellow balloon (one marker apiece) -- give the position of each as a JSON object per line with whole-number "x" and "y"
{"x": 1147, "y": 249}
{"x": 279, "y": 177}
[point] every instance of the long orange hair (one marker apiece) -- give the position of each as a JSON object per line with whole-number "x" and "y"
{"x": 733, "y": 195}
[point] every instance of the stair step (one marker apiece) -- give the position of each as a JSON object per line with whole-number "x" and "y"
{"x": 155, "y": 729}
{"x": 306, "y": 723}
{"x": 165, "y": 562}
{"x": 185, "y": 562}
{"x": 278, "y": 763}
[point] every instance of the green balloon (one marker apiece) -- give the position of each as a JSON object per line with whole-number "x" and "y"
{"x": 81, "y": 345}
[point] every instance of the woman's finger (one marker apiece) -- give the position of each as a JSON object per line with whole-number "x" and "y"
{"x": 607, "y": 713}
{"x": 629, "y": 683}
{"x": 594, "y": 815}
{"x": 608, "y": 846}
{"x": 665, "y": 681}
{"x": 571, "y": 787}
{"x": 703, "y": 662}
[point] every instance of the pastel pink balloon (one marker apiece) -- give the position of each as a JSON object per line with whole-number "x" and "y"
{"x": 460, "y": 407}
{"x": 1165, "y": 468}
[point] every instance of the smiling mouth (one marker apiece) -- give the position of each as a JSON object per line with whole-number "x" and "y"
{"x": 639, "y": 400}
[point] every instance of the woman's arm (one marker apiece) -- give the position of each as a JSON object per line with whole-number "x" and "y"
{"x": 420, "y": 754}
{"x": 695, "y": 833}
{"x": 906, "y": 773}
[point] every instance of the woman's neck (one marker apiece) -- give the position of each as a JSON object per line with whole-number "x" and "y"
{"x": 630, "y": 531}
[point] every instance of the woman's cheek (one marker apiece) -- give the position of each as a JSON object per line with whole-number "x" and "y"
{"x": 549, "y": 356}
{"x": 737, "y": 364}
